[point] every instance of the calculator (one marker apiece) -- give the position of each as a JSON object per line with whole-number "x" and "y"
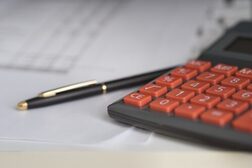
{"x": 207, "y": 100}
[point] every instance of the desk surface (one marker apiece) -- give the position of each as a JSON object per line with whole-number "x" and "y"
{"x": 124, "y": 160}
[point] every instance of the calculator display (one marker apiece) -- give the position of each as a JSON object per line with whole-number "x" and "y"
{"x": 241, "y": 45}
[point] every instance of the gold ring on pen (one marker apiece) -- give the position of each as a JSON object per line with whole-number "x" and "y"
{"x": 104, "y": 88}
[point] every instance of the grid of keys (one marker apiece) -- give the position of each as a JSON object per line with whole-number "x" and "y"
{"x": 219, "y": 95}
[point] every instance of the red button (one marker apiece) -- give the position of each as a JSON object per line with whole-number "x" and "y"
{"x": 244, "y": 122}
{"x": 245, "y": 72}
{"x": 169, "y": 81}
{"x": 195, "y": 86}
{"x": 222, "y": 91}
{"x": 210, "y": 77}
{"x": 180, "y": 95}
{"x": 198, "y": 65}
{"x": 190, "y": 111}
{"x": 137, "y": 99}
{"x": 216, "y": 117}
{"x": 237, "y": 82}
{"x": 243, "y": 95}
{"x": 205, "y": 100}
{"x": 233, "y": 106}
{"x": 153, "y": 90}
{"x": 250, "y": 87}
{"x": 224, "y": 69}
{"x": 184, "y": 73}
{"x": 163, "y": 105}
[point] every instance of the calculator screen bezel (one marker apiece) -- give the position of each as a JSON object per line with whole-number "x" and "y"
{"x": 218, "y": 53}
{"x": 241, "y": 45}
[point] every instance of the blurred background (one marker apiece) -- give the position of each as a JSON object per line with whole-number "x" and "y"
{"x": 54, "y": 35}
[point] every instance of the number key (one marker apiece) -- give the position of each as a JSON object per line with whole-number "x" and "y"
{"x": 205, "y": 100}
{"x": 163, "y": 105}
{"x": 237, "y": 82}
{"x": 153, "y": 90}
{"x": 245, "y": 72}
{"x": 184, "y": 73}
{"x": 169, "y": 81}
{"x": 210, "y": 77}
{"x": 198, "y": 65}
{"x": 250, "y": 87}
{"x": 222, "y": 91}
{"x": 244, "y": 122}
{"x": 195, "y": 86}
{"x": 224, "y": 69}
{"x": 180, "y": 95}
{"x": 233, "y": 106}
{"x": 243, "y": 95}
{"x": 216, "y": 117}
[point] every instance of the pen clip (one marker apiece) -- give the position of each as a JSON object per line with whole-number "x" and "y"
{"x": 54, "y": 92}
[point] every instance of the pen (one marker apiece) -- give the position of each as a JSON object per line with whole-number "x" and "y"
{"x": 86, "y": 89}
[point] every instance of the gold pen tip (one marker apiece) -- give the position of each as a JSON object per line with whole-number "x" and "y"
{"x": 23, "y": 105}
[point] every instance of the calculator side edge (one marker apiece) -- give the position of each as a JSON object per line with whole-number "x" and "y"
{"x": 179, "y": 127}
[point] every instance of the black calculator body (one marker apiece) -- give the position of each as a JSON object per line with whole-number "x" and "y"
{"x": 183, "y": 108}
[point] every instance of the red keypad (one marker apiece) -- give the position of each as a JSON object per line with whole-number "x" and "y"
{"x": 220, "y": 95}
{"x": 210, "y": 77}
{"x": 233, "y": 106}
{"x": 190, "y": 111}
{"x": 222, "y": 91}
{"x": 245, "y": 72}
{"x": 180, "y": 95}
{"x": 184, "y": 73}
{"x": 224, "y": 69}
{"x": 137, "y": 99}
{"x": 196, "y": 86}
{"x": 198, "y": 65}
{"x": 207, "y": 101}
{"x": 169, "y": 81}
{"x": 237, "y": 82}
{"x": 216, "y": 117}
{"x": 243, "y": 95}
{"x": 163, "y": 105}
{"x": 244, "y": 122}
{"x": 153, "y": 90}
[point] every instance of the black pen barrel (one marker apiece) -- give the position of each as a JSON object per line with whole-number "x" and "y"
{"x": 134, "y": 80}
{"x": 65, "y": 97}
{"x": 95, "y": 89}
